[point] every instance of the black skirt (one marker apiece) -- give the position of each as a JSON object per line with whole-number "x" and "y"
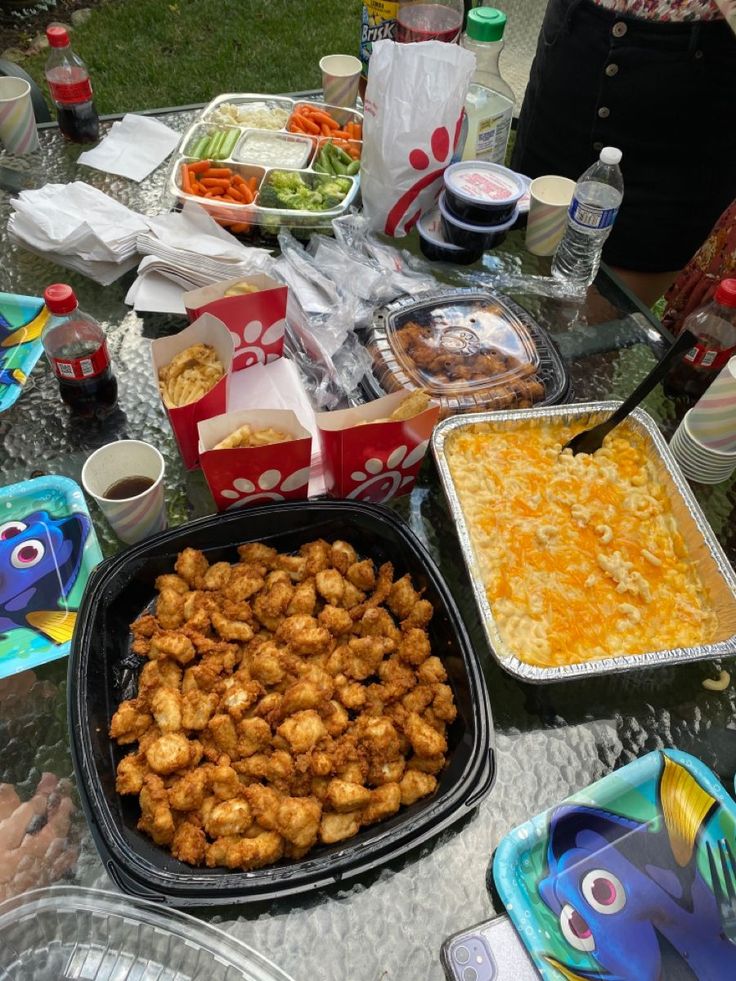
{"x": 663, "y": 93}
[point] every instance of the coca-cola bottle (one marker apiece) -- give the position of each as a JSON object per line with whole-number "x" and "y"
{"x": 714, "y": 324}
{"x": 71, "y": 89}
{"x": 77, "y": 351}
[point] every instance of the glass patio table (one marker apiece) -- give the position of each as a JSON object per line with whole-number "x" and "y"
{"x": 550, "y": 740}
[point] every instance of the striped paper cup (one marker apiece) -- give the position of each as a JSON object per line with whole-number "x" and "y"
{"x": 340, "y": 78}
{"x": 697, "y": 461}
{"x": 131, "y": 518}
{"x": 712, "y": 420}
{"x": 549, "y": 199}
{"x": 17, "y": 122}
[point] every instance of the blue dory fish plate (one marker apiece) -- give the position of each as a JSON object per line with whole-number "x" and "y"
{"x": 627, "y": 880}
{"x": 48, "y": 548}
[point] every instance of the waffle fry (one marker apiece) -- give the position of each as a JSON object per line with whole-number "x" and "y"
{"x": 190, "y": 375}
{"x": 411, "y": 406}
{"x": 247, "y": 437}
{"x": 239, "y": 289}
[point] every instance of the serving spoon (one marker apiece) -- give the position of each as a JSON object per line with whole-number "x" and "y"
{"x": 591, "y": 440}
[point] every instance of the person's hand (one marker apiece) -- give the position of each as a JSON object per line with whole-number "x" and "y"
{"x": 34, "y": 838}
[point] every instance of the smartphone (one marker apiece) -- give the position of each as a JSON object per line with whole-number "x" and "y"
{"x": 490, "y": 951}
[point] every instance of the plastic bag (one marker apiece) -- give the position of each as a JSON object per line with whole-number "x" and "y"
{"x": 413, "y": 113}
{"x": 353, "y": 233}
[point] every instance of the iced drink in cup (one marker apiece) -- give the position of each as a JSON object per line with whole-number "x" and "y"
{"x": 422, "y": 21}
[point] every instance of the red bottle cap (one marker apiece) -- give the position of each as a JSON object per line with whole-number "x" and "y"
{"x": 726, "y": 293}
{"x": 59, "y": 298}
{"x": 57, "y": 36}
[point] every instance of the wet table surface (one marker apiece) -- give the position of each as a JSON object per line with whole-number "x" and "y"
{"x": 550, "y": 740}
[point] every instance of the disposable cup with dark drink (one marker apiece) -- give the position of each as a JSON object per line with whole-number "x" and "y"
{"x": 126, "y": 479}
{"x": 429, "y": 20}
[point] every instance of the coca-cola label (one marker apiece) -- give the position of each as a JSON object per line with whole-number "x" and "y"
{"x": 71, "y": 93}
{"x": 711, "y": 358}
{"x": 81, "y": 369}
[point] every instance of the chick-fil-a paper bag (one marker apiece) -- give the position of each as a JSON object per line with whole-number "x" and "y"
{"x": 369, "y": 460}
{"x": 184, "y": 418}
{"x": 242, "y": 475}
{"x": 256, "y": 320}
{"x": 412, "y": 117}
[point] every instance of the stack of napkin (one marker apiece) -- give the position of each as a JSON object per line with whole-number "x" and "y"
{"x": 78, "y": 227}
{"x": 184, "y": 250}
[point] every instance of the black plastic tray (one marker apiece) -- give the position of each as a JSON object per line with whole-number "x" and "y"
{"x": 102, "y": 671}
{"x": 551, "y": 371}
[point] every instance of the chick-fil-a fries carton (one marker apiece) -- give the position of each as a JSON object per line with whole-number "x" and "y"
{"x": 257, "y": 320}
{"x": 366, "y": 456}
{"x": 184, "y": 418}
{"x": 240, "y": 476}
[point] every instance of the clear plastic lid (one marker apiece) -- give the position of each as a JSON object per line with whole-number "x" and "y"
{"x": 65, "y": 933}
{"x": 467, "y": 349}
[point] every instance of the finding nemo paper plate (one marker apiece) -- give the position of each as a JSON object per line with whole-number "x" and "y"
{"x": 624, "y": 881}
{"x": 22, "y": 318}
{"x": 48, "y": 548}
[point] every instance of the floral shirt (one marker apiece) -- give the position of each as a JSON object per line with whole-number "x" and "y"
{"x": 665, "y": 10}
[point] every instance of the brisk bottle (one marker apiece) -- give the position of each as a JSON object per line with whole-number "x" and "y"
{"x": 595, "y": 203}
{"x": 714, "y": 325}
{"x": 76, "y": 348}
{"x": 71, "y": 90}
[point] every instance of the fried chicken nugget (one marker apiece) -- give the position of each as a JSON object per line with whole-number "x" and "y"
{"x": 258, "y": 554}
{"x": 171, "y": 581}
{"x": 343, "y": 796}
{"x": 189, "y": 843}
{"x": 224, "y": 781}
{"x": 431, "y": 671}
{"x": 130, "y": 722}
{"x": 365, "y": 655}
{"x": 276, "y": 767}
{"x": 414, "y": 647}
{"x": 330, "y": 586}
{"x": 170, "y": 752}
{"x": 303, "y": 730}
{"x": 425, "y": 741}
{"x": 158, "y": 674}
{"x": 222, "y": 729}
{"x": 402, "y": 597}
{"x": 362, "y": 575}
{"x": 234, "y": 630}
{"x": 378, "y": 622}
{"x": 255, "y": 736}
{"x": 131, "y": 773}
{"x": 381, "y": 773}
{"x": 166, "y": 708}
{"x": 384, "y": 802}
{"x": 384, "y": 585}
{"x": 338, "y": 827}
{"x": 295, "y": 818}
{"x": 414, "y": 785}
{"x": 420, "y": 615}
{"x": 303, "y": 600}
{"x": 238, "y": 697}
{"x": 336, "y": 620}
{"x": 342, "y": 556}
{"x": 308, "y": 693}
{"x": 235, "y": 852}
{"x": 156, "y": 818}
{"x": 270, "y": 605}
{"x": 244, "y": 582}
{"x": 172, "y": 645}
{"x": 317, "y": 555}
{"x": 191, "y": 565}
{"x": 187, "y": 792}
{"x": 216, "y": 577}
{"x": 197, "y": 708}
{"x": 230, "y": 817}
{"x": 170, "y": 609}
{"x": 304, "y": 635}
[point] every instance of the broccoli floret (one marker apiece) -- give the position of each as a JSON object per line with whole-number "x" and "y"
{"x": 333, "y": 190}
{"x": 287, "y": 189}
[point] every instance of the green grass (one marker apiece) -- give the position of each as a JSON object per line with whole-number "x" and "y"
{"x": 143, "y": 54}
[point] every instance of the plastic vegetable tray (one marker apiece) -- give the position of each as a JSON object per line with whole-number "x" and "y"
{"x": 103, "y": 672}
{"x": 269, "y": 220}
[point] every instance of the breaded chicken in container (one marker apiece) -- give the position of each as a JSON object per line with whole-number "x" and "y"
{"x": 286, "y": 701}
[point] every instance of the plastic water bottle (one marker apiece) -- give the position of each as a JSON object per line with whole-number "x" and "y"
{"x": 595, "y": 203}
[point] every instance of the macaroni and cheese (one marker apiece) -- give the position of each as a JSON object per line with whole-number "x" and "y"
{"x": 580, "y": 555}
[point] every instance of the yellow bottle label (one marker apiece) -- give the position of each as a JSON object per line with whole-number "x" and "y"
{"x": 378, "y": 24}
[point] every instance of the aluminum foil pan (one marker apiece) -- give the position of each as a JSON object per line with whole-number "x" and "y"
{"x": 713, "y": 566}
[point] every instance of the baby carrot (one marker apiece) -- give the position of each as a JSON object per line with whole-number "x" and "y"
{"x": 253, "y": 184}
{"x": 322, "y": 117}
{"x": 186, "y": 181}
{"x": 246, "y": 193}
{"x": 309, "y": 126}
{"x": 199, "y": 167}
{"x": 217, "y": 172}
{"x": 239, "y": 227}
{"x": 211, "y": 182}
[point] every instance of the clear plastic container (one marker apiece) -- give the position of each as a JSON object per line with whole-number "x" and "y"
{"x": 242, "y": 218}
{"x": 468, "y": 349}
{"x": 64, "y": 933}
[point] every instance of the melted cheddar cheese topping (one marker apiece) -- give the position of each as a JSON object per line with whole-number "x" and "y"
{"x": 580, "y": 555}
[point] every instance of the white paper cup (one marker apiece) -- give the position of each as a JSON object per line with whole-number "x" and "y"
{"x": 340, "y": 78}
{"x": 135, "y": 517}
{"x": 549, "y": 200}
{"x": 697, "y": 461}
{"x": 17, "y": 122}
